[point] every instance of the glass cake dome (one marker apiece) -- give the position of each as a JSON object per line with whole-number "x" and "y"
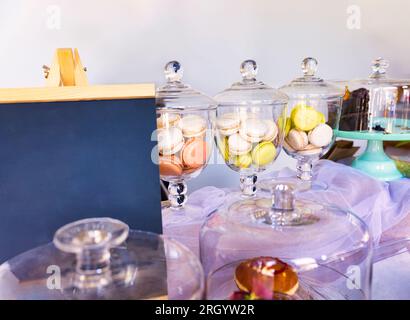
{"x": 277, "y": 247}
{"x": 376, "y": 104}
{"x": 376, "y": 109}
{"x": 101, "y": 258}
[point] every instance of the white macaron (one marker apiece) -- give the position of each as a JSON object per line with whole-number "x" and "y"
{"x": 167, "y": 120}
{"x": 170, "y": 141}
{"x": 272, "y": 131}
{"x": 321, "y": 136}
{"x": 192, "y": 126}
{"x": 253, "y": 130}
{"x": 311, "y": 150}
{"x": 238, "y": 146}
{"x": 228, "y": 124}
{"x": 297, "y": 139}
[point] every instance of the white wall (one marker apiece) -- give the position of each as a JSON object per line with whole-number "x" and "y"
{"x": 127, "y": 41}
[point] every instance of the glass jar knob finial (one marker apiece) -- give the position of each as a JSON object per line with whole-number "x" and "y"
{"x": 309, "y": 66}
{"x": 283, "y": 197}
{"x": 379, "y": 67}
{"x": 173, "y": 71}
{"x": 249, "y": 69}
{"x": 91, "y": 241}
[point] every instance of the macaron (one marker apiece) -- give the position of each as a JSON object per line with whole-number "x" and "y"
{"x": 264, "y": 153}
{"x": 194, "y": 153}
{"x": 170, "y": 166}
{"x": 272, "y": 131}
{"x": 253, "y": 130}
{"x": 223, "y": 147}
{"x": 167, "y": 120}
{"x": 297, "y": 140}
{"x": 322, "y": 118}
{"x": 287, "y": 147}
{"x": 310, "y": 150}
{"x": 243, "y": 161}
{"x": 192, "y": 126}
{"x": 238, "y": 145}
{"x": 321, "y": 136}
{"x": 305, "y": 118}
{"x": 285, "y": 123}
{"x": 170, "y": 140}
{"x": 228, "y": 124}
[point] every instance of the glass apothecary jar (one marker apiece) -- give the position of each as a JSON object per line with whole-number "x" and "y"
{"x": 313, "y": 116}
{"x": 250, "y": 126}
{"x": 282, "y": 248}
{"x": 185, "y": 131}
{"x": 101, "y": 258}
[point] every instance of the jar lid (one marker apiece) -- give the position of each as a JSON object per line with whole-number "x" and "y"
{"x": 379, "y": 77}
{"x": 311, "y": 86}
{"x": 250, "y": 91}
{"x": 298, "y": 229}
{"x": 177, "y": 95}
{"x": 101, "y": 258}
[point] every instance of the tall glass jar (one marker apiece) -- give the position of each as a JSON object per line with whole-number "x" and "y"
{"x": 185, "y": 122}
{"x": 250, "y": 126}
{"x": 313, "y": 117}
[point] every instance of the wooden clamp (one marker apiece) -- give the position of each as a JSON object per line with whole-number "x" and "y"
{"x": 66, "y": 69}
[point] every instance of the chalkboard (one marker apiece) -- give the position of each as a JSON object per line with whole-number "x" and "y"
{"x": 61, "y": 161}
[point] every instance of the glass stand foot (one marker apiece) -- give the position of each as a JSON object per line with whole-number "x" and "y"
{"x": 375, "y": 163}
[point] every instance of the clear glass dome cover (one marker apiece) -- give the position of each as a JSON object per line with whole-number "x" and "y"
{"x": 177, "y": 95}
{"x": 101, "y": 258}
{"x": 322, "y": 244}
{"x": 250, "y": 91}
{"x": 377, "y": 104}
{"x": 309, "y": 85}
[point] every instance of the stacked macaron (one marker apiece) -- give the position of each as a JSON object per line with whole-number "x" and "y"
{"x": 182, "y": 144}
{"x": 245, "y": 140}
{"x": 307, "y": 134}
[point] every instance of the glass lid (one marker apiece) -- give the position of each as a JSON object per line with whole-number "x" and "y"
{"x": 298, "y": 229}
{"x": 101, "y": 258}
{"x": 250, "y": 91}
{"x": 379, "y": 78}
{"x": 177, "y": 95}
{"x": 311, "y": 86}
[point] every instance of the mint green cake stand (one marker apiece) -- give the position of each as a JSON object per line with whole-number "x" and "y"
{"x": 374, "y": 161}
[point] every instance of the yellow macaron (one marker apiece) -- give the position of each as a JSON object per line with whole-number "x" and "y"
{"x": 243, "y": 161}
{"x": 305, "y": 118}
{"x": 264, "y": 153}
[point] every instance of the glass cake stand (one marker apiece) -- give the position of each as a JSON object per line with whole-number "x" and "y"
{"x": 374, "y": 160}
{"x": 293, "y": 248}
{"x": 100, "y": 259}
{"x": 376, "y": 109}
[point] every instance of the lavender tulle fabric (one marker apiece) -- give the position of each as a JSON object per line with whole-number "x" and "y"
{"x": 383, "y": 206}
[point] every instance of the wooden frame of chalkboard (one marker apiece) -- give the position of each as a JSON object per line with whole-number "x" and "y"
{"x": 68, "y": 153}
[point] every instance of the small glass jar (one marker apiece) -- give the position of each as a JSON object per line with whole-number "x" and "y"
{"x": 314, "y": 111}
{"x": 250, "y": 126}
{"x": 185, "y": 122}
{"x": 100, "y": 258}
{"x": 280, "y": 247}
